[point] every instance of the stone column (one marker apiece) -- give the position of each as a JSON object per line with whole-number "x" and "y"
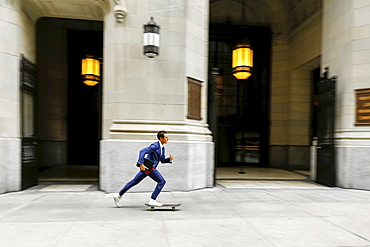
{"x": 346, "y": 47}
{"x": 144, "y": 95}
{"x": 10, "y": 145}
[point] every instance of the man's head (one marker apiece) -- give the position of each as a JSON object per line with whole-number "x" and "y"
{"x": 162, "y": 137}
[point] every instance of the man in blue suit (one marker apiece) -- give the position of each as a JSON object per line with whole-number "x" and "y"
{"x": 156, "y": 153}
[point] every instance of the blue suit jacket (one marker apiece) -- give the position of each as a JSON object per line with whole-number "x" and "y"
{"x": 154, "y": 154}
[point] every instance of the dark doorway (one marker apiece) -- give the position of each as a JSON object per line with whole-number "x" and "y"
{"x": 239, "y": 109}
{"x": 69, "y": 112}
{"x": 84, "y": 102}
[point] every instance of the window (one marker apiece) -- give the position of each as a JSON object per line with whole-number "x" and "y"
{"x": 194, "y": 99}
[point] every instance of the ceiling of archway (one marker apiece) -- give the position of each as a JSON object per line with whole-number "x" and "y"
{"x": 76, "y": 9}
{"x": 282, "y": 15}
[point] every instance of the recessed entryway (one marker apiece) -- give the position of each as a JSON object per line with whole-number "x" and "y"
{"x": 68, "y": 111}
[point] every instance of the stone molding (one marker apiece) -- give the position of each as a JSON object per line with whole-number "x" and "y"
{"x": 82, "y": 9}
{"x": 120, "y": 11}
{"x": 144, "y": 130}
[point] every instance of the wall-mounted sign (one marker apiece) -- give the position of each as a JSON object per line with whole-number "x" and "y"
{"x": 362, "y": 106}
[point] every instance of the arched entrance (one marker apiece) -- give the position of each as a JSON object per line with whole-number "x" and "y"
{"x": 242, "y": 106}
{"x": 266, "y": 120}
{"x": 67, "y": 112}
{"x": 239, "y": 109}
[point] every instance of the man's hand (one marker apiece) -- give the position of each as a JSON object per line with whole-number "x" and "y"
{"x": 143, "y": 168}
{"x": 171, "y": 157}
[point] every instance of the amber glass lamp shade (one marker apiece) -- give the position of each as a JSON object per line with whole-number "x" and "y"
{"x": 242, "y": 61}
{"x": 90, "y": 71}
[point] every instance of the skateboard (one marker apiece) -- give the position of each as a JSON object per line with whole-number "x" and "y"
{"x": 172, "y": 205}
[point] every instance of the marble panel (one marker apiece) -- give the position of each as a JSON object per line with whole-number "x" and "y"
{"x": 10, "y": 164}
{"x": 191, "y": 169}
{"x": 360, "y": 167}
{"x": 13, "y": 160}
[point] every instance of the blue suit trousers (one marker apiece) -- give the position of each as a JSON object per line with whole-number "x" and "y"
{"x": 155, "y": 175}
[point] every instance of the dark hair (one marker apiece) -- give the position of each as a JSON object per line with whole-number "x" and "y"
{"x": 161, "y": 134}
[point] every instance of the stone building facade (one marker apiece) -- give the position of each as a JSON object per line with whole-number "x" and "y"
{"x": 139, "y": 95}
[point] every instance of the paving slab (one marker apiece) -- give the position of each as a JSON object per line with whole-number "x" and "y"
{"x": 305, "y": 231}
{"x": 278, "y": 216}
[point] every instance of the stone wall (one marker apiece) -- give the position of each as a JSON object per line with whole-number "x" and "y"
{"x": 144, "y": 95}
{"x": 191, "y": 169}
{"x": 346, "y": 47}
{"x": 13, "y": 41}
{"x": 52, "y": 91}
{"x": 291, "y": 93}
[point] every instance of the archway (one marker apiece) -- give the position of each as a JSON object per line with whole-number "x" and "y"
{"x": 285, "y": 144}
{"x": 68, "y": 113}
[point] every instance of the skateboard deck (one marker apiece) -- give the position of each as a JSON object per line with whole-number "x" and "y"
{"x": 172, "y": 205}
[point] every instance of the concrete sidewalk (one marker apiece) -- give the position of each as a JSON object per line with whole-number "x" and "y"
{"x": 312, "y": 216}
